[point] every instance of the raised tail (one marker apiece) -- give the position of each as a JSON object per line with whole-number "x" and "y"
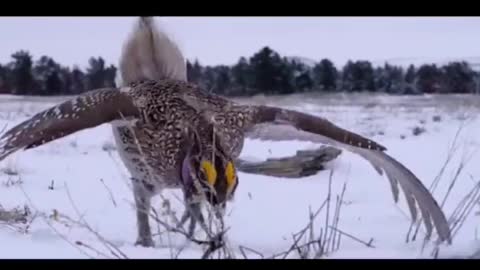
{"x": 149, "y": 53}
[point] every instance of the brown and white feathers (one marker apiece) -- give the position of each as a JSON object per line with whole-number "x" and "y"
{"x": 151, "y": 55}
{"x": 88, "y": 110}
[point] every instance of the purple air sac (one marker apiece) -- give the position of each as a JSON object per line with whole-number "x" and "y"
{"x": 186, "y": 177}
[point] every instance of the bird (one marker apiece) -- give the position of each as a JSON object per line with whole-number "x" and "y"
{"x": 171, "y": 133}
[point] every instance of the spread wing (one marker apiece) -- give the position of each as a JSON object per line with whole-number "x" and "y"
{"x": 85, "y": 111}
{"x": 271, "y": 123}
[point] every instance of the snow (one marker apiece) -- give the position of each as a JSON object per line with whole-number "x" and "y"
{"x": 90, "y": 183}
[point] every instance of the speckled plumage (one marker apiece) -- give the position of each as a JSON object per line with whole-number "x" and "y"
{"x": 159, "y": 120}
{"x": 161, "y": 129}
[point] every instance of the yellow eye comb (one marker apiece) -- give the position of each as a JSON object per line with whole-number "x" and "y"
{"x": 230, "y": 176}
{"x": 210, "y": 172}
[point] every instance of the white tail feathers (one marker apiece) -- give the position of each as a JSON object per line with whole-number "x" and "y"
{"x": 150, "y": 54}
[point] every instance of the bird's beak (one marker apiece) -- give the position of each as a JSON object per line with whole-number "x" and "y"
{"x": 220, "y": 210}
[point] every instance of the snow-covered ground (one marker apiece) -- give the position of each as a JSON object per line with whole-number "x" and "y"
{"x": 80, "y": 177}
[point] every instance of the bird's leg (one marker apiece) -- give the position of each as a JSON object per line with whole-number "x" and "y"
{"x": 184, "y": 218}
{"x": 142, "y": 202}
{"x": 194, "y": 213}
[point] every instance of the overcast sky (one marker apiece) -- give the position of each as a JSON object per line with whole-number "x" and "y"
{"x": 222, "y": 40}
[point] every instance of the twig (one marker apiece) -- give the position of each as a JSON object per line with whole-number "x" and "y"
{"x": 311, "y": 219}
{"x": 467, "y": 210}
{"x": 213, "y": 243}
{"x": 52, "y": 185}
{"x": 450, "y": 155}
{"x": 54, "y": 229}
{"x": 111, "y": 247}
{"x": 297, "y": 236}
{"x": 213, "y": 246}
{"x": 453, "y": 217}
{"x": 367, "y": 244}
{"x": 109, "y": 192}
{"x": 80, "y": 243}
{"x": 329, "y": 195}
{"x": 435, "y": 182}
{"x": 337, "y": 217}
{"x": 243, "y": 248}
{"x": 454, "y": 180}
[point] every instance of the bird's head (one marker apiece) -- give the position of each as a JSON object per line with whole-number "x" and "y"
{"x": 209, "y": 171}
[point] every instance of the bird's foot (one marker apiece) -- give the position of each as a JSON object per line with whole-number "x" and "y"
{"x": 145, "y": 242}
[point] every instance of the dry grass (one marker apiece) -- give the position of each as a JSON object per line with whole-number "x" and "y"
{"x": 10, "y": 169}
{"x": 12, "y": 181}
{"x": 464, "y": 207}
{"x": 113, "y": 252}
{"x": 17, "y": 219}
{"x": 109, "y": 146}
{"x": 309, "y": 242}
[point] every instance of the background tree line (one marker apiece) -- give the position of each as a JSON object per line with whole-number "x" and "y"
{"x": 266, "y": 72}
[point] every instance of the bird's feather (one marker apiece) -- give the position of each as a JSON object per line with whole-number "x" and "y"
{"x": 277, "y": 124}
{"x": 88, "y": 110}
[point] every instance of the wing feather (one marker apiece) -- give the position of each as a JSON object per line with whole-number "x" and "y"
{"x": 85, "y": 111}
{"x": 277, "y": 124}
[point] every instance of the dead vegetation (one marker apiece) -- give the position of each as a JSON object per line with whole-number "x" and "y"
{"x": 109, "y": 146}
{"x": 16, "y": 216}
{"x": 464, "y": 207}
{"x": 10, "y": 169}
{"x": 437, "y": 118}
{"x": 309, "y": 243}
{"x": 418, "y": 130}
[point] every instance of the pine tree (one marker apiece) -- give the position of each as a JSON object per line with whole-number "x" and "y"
{"x": 78, "y": 81}
{"x": 66, "y": 78}
{"x": 302, "y": 76}
{"x": 459, "y": 78}
{"x": 208, "y": 79}
{"x": 325, "y": 75}
{"x": 271, "y": 73}
{"x": 410, "y": 86}
{"x": 194, "y": 72}
{"x": 428, "y": 79}
{"x": 358, "y": 76}
{"x": 21, "y": 70}
{"x": 5, "y": 79}
{"x": 223, "y": 80}
{"x": 381, "y": 80}
{"x": 243, "y": 79}
{"x": 98, "y": 76}
{"x": 109, "y": 76}
{"x": 47, "y": 75}
{"x": 394, "y": 78}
